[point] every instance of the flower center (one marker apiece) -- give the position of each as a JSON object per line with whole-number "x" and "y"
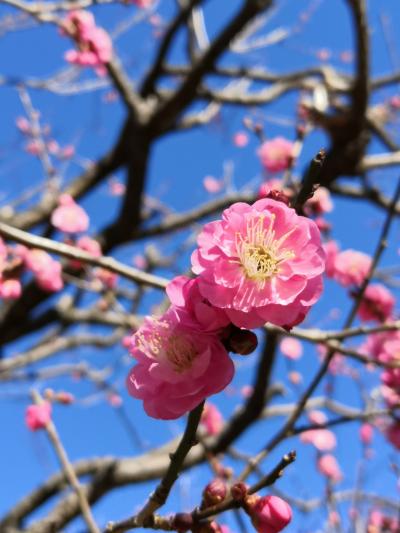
{"x": 181, "y": 352}
{"x": 162, "y": 342}
{"x": 259, "y": 251}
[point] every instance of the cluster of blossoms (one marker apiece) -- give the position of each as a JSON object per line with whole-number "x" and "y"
{"x": 260, "y": 263}
{"x": 269, "y": 514}
{"x": 324, "y": 442}
{"x": 94, "y": 45}
{"x": 69, "y": 218}
{"x": 350, "y": 268}
{"x": 40, "y": 141}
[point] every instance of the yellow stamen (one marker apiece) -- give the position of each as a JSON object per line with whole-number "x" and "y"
{"x": 259, "y": 252}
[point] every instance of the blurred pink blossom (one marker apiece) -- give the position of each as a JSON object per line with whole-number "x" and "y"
{"x": 317, "y": 417}
{"x": 241, "y": 139}
{"x": 23, "y": 125}
{"x": 212, "y": 419}
{"x": 276, "y": 155}
{"x": 38, "y": 416}
{"x": 69, "y": 216}
{"x": 366, "y": 434}
{"x": 212, "y": 185}
{"x": 377, "y": 303}
{"x": 10, "y": 289}
{"x": 351, "y": 267}
{"x": 323, "y": 439}
{"x": 329, "y": 467}
{"x": 291, "y": 348}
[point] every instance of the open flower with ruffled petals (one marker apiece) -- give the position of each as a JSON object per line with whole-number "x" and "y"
{"x": 69, "y": 216}
{"x": 260, "y": 263}
{"x": 184, "y": 293}
{"x": 178, "y": 365}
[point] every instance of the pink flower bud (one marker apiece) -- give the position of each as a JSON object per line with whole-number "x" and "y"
{"x": 66, "y": 398}
{"x": 38, "y": 416}
{"x": 270, "y": 514}
{"x": 366, "y": 434}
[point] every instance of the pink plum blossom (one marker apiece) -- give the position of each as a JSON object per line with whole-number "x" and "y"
{"x": 50, "y": 278}
{"x": 366, "y": 434}
{"x": 319, "y": 203}
{"x": 291, "y": 348}
{"x": 46, "y": 270}
{"x": 295, "y": 378}
{"x": 241, "y": 139}
{"x": 178, "y": 365}
{"x": 144, "y": 4}
{"x": 69, "y": 216}
{"x": 184, "y": 293}
{"x": 10, "y": 289}
{"x": 269, "y": 187}
{"x": 390, "y": 396}
{"x": 211, "y": 419}
{"x": 270, "y": 514}
{"x": 116, "y": 188}
{"x": 34, "y": 147}
{"x": 324, "y": 54}
{"x": 351, "y": 267}
{"x": 89, "y": 245}
{"x": 94, "y": 45}
{"x": 67, "y": 152}
{"x": 106, "y": 277}
{"x": 23, "y": 125}
{"x": 323, "y": 439}
{"x": 377, "y": 303}
{"x": 52, "y": 146}
{"x": 260, "y": 263}
{"x": 331, "y": 249}
{"x": 212, "y": 185}
{"x": 329, "y": 467}
{"x": 276, "y": 155}
{"x": 317, "y": 417}
{"x": 38, "y": 416}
